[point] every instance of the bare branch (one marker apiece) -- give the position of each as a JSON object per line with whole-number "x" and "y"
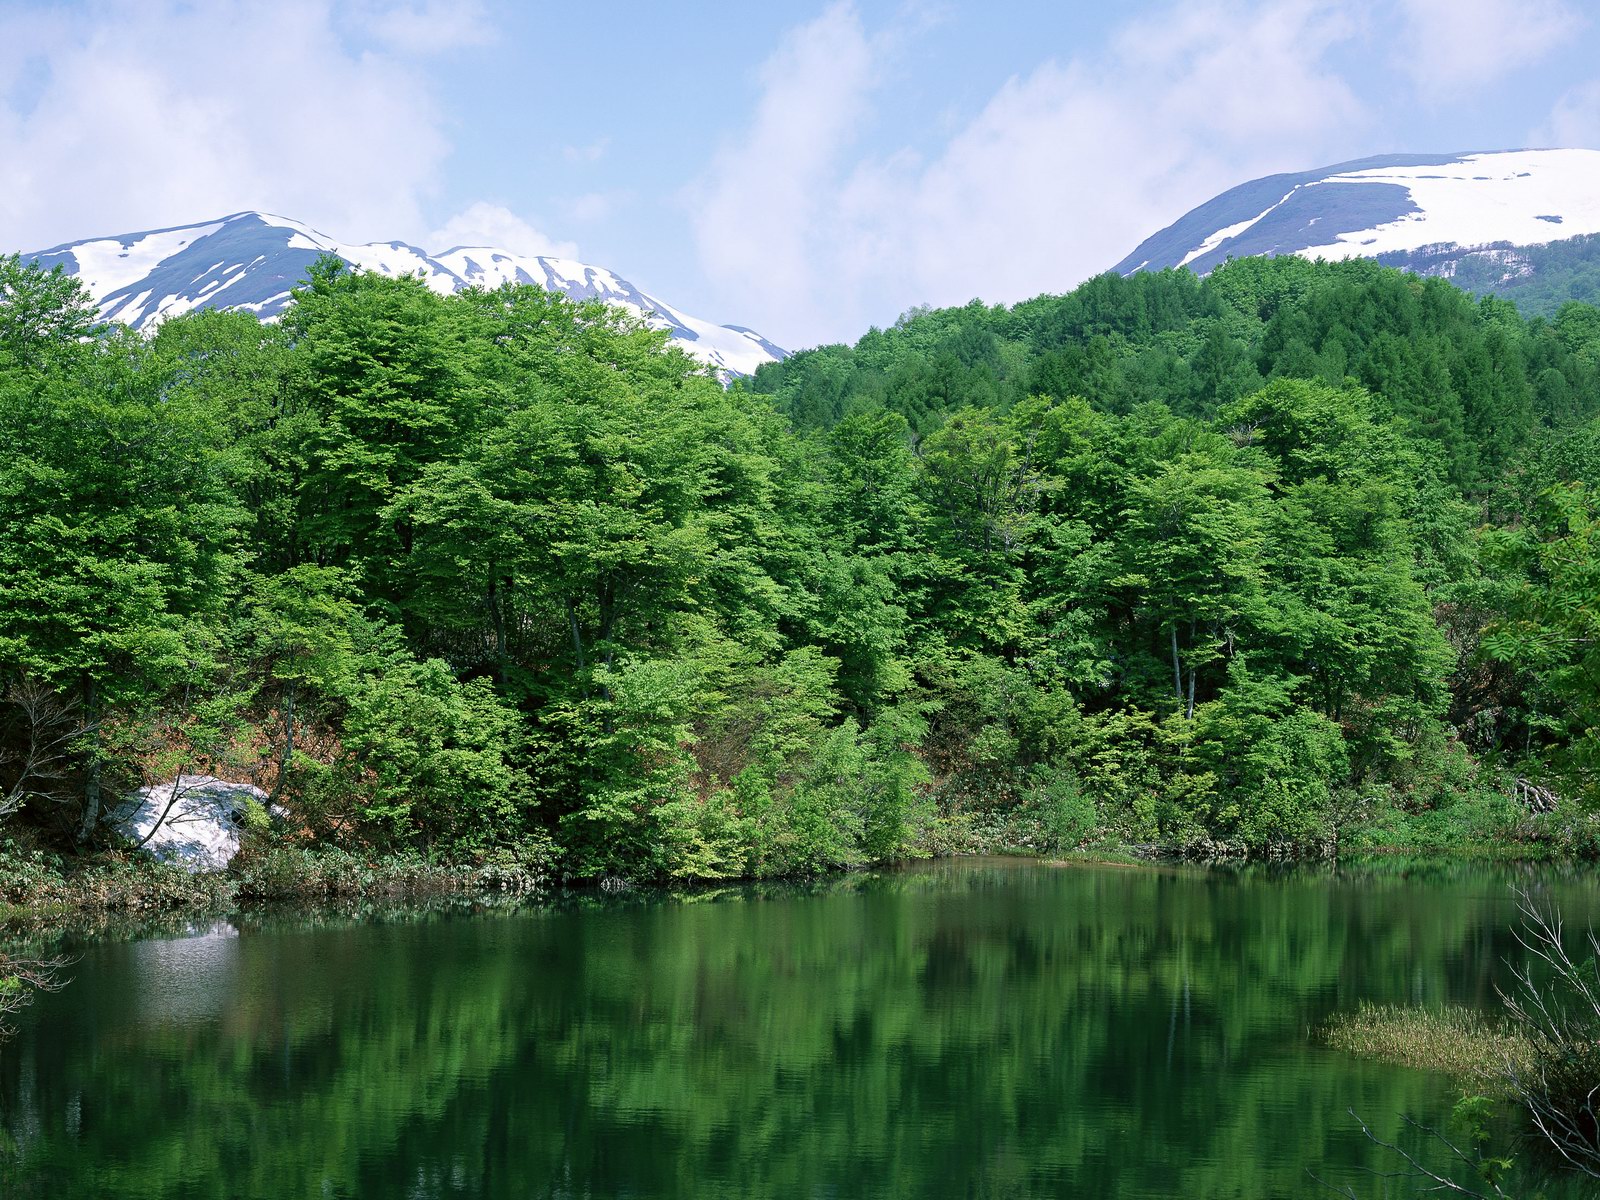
{"x": 46, "y": 736}
{"x": 23, "y": 978}
{"x": 1418, "y": 1171}
{"x": 1560, "y": 1017}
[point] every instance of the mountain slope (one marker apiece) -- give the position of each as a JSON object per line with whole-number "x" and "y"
{"x": 1446, "y": 204}
{"x": 251, "y": 260}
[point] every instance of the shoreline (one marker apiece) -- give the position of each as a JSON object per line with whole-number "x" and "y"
{"x": 121, "y": 890}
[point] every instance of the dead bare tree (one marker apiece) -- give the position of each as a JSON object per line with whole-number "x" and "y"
{"x": 1534, "y": 797}
{"x": 1554, "y": 1002}
{"x": 39, "y": 755}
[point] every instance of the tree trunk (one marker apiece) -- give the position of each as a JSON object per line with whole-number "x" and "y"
{"x": 1177, "y": 671}
{"x": 577, "y": 641}
{"x": 1192, "y": 673}
{"x": 498, "y": 617}
{"x": 91, "y": 778}
{"x": 288, "y": 741}
{"x": 608, "y": 619}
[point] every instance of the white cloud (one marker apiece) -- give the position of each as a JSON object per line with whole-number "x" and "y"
{"x": 484, "y": 224}
{"x": 427, "y": 27}
{"x": 593, "y": 152}
{"x": 1453, "y": 47}
{"x": 161, "y": 112}
{"x": 1574, "y": 122}
{"x": 1063, "y": 171}
{"x": 764, "y": 205}
{"x": 598, "y": 206}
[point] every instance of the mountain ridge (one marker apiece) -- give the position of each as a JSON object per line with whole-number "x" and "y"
{"x": 251, "y": 260}
{"x": 1389, "y": 207}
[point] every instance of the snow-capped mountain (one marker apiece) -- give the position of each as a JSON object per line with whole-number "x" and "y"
{"x": 1391, "y": 206}
{"x": 250, "y": 260}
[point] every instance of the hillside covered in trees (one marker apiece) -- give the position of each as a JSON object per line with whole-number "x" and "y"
{"x": 1538, "y": 279}
{"x": 1295, "y": 554}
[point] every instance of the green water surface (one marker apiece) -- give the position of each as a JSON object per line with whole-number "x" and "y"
{"x": 968, "y": 1029}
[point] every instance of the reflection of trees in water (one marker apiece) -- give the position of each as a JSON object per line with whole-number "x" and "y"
{"x": 956, "y": 1029}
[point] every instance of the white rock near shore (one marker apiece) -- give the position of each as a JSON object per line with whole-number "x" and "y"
{"x": 199, "y": 830}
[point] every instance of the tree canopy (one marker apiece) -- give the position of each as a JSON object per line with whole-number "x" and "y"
{"x": 1163, "y": 560}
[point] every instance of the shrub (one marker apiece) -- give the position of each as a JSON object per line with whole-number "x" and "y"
{"x": 1066, "y": 814}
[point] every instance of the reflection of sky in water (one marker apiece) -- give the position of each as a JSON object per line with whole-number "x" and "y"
{"x": 185, "y": 978}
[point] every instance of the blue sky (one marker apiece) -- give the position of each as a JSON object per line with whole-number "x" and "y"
{"x": 804, "y": 169}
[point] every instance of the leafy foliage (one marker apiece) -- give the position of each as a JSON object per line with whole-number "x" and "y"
{"x": 1165, "y": 559}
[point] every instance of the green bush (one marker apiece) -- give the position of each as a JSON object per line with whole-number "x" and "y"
{"x": 1066, "y": 814}
{"x": 427, "y": 755}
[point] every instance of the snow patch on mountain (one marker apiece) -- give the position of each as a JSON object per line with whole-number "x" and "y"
{"x": 1387, "y": 205}
{"x": 1228, "y": 233}
{"x": 114, "y": 264}
{"x": 1515, "y": 197}
{"x": 251, "y": 260}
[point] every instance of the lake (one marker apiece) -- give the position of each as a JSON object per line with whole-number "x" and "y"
{"x": 969, "y": 1028}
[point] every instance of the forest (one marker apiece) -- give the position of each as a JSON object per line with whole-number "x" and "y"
{"x": 1539, "y": 279}
{"x": 1293, "y": 557}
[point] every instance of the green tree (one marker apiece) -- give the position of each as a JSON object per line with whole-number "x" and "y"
{"x": 118, "y": 520}
{"x": 1551, "y": 628}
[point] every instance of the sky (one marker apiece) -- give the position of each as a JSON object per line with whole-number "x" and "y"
{"x": 804, "y": 169}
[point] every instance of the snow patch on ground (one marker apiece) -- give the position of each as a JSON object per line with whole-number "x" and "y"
{"x": 197, "y": 820}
